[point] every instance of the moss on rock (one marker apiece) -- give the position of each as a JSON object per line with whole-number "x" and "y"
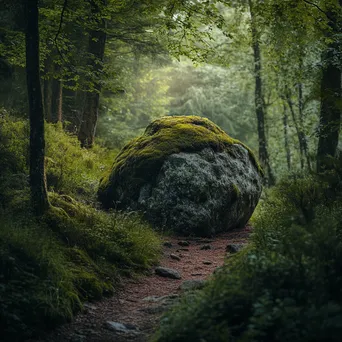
{"x": 140, "y": 161}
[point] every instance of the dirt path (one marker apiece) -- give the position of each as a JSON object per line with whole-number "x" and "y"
{"x": 139, "y": 305}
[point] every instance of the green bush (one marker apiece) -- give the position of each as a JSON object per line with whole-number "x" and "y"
{"x": 50, "y": 265}
{"x": 285, "y": 287}
{"x": 69, "y": 168}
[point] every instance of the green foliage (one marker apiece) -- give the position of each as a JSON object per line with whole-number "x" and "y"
{"x": 74, "y": 253}
{"x": 71, "y": 169}
{"x": 285, "y": 286}
{"x": 141, "y": 159}
{"x": 13, "y": 145}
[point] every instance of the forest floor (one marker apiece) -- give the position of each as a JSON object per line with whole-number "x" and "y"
{"x": 133, "y": 313}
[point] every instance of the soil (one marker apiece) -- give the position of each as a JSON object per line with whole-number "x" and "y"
{"x": 131, "y": 305}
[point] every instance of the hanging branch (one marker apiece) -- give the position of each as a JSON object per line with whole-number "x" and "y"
{"x": 320, "y": 9}
{"x": 60, "y": 29}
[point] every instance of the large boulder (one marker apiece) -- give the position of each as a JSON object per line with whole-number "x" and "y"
{"x": 187, "y": 175}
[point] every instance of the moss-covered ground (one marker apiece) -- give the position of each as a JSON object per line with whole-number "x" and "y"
{"x": 50, "y": 265}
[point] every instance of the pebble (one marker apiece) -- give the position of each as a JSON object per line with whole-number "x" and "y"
{"x": 184, "y": 243}
{"x": 189, "y": 285}
{"x": 120, "y": 327}
{"x": 234, "y": 247}
{"x": 205, "y": 247}
{"x": 167, "y": 272}
{"x": 175, "y": 257}
{"x": 207, "y": 262}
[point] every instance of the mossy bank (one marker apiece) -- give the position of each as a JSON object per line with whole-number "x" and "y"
{"x": 50, "y": 265}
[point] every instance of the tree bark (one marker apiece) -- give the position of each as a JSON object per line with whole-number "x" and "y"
{"x": 298, "y": 130}
{"x": 259, "y": 100}
{"x": 302, "y": 136}
{"x": 48, "y": 99}
{"x": 60, "y": 102}
{"x": 39, "y": 196}
{"x": 97, "y": 42}
{"x": 286, "y": 138}
{"x": 330, "y": 113}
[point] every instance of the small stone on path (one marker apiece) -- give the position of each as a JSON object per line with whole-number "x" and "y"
{"x": 163, "y": 303}
{"x": 184, "y": 243}
{"x": 234, "y": 247}
{"x": 205, "y": 247}
{"x": 175, "y": 257}
{"x": 189, "y": 285}
{"x": 206, "y": 241}
{"x": 89, "y": 306}
{"x": 120, "y": 327}
{"x": 167, "y": 244}
{"x": 196, "y": 274}
{"x": 207, "y": 262}
{"x": 161, "y": 299}
{"x": 183, "y": 249}
{"x": 167, "y": 272}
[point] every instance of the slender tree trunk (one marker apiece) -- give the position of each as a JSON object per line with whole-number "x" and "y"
{"x": 97, "y": 42}
{"x": 286, "y": 138}
{"x": 48, "y": 99}
{"x": 47, "y": 90}
{"x": 60, "y": 102}
{"x": 56, "y": 99}
{"x": 330, "y": 114}
{"x": 302, "y": 137}
{"x": 259, "y": 100}
{"x": 39, "y": 194}
{"x": 295, "y": 121}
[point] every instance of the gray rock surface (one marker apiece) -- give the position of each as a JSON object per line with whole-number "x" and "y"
{"x": 205, "y": 247}
{"x": 189, "y": 285}
{"x": 184, "y": 243}
{"x": 234, "y": 247}
{"x": 160, "y": 304}
{"x": 175, "y": 257}
{"x": 121, "y": 328}
{"x": 167, "y": 272}
{"x": 203, "y": 193}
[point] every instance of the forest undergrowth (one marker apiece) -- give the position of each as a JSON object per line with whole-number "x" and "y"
{"x": 286, "y": 286}
{"x": 50, "y": 265}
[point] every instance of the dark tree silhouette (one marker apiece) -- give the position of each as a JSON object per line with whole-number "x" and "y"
{"x": 39, "y": 194}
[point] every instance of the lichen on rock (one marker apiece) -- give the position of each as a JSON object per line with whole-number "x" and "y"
{"x": 187, "y": 174}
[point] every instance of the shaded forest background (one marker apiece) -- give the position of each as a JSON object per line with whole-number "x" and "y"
{"x": 79, "y": 78}
{"x": 255, "y": 69}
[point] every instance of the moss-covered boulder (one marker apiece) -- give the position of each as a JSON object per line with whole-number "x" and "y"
{"x": 185, "y": 174}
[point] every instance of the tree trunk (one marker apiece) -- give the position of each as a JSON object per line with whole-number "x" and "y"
{"x": 39, "y": 196}
{"x": 302, "y": 136}
{"x": 286, "y": 138}
{"x": 330, "y": 113}
{"x": 295, "y": 122}
{"x": 97, "y": 42}
{"x": 259, "y": 100}
{"x": 60, "y": 102}
{"x": 48, "y": 99}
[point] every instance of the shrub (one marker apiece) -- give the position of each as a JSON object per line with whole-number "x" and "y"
{"x": 50, "y": 265}
{"x": 69, "y": 168}
{"x": 285, "y": 287}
